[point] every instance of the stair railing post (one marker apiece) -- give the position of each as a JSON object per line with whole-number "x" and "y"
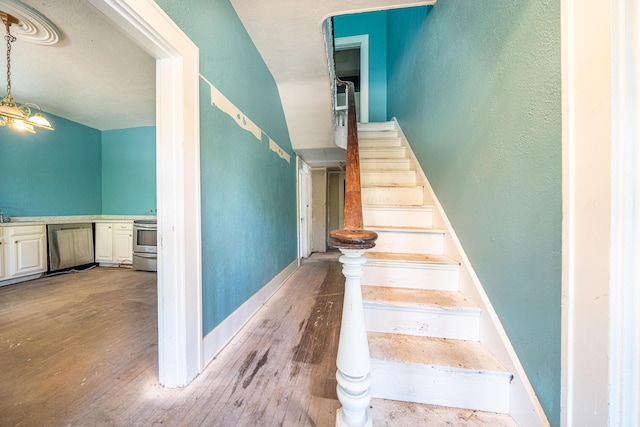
{"x": 353, "y": 361}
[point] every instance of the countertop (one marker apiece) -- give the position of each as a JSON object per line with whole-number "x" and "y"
{"x": 44, "y": 220}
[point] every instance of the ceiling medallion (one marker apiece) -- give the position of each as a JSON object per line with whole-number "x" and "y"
{"x": 33, "y": 27}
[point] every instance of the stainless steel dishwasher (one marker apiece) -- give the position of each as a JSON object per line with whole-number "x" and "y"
{"x": 70, "y": 245}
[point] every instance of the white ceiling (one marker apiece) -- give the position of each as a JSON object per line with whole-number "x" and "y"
{"x": 95, "y": 75}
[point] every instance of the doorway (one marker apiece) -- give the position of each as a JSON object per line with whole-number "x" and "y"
{"x": 304, "y": 210}
{"x": 352, "y": 56}
{"x": 178, "y": 183}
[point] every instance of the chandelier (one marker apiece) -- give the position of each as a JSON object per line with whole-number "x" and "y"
{"x": 25, "y": 117}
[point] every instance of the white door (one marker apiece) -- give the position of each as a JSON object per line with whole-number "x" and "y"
{"x": 304, "y": 209}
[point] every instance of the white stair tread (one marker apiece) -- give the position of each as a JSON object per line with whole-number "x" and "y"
{"x": 454, "y": 355}
{"x": 406, "y": 257}
{"x": 393, "y": 413}
{"x": 411, "y": 298}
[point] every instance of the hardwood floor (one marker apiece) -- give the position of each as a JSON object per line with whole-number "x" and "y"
{"x": 81, "y": 350}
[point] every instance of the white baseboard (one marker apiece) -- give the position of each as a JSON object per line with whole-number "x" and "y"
{"x": 217, "y": 339}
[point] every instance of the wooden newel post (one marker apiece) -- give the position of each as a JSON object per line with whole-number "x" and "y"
{"x": 354, "y": 366}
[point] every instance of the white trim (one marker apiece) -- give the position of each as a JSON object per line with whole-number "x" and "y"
{"x": 361, "y": 42}
{"x": 178, "y": 183}
{"x": 524, "y": 405}
{"x": 624, "y": 349}
{"x": 217, "y": 339}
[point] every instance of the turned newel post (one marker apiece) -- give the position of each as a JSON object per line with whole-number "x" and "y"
{"x": 353, "y": 362}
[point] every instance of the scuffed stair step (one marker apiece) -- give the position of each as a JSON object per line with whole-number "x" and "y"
{"x": 398, "y": 196}
{"x": 416, "y": 240}
{"x": 402, "y": 216}
{"x": 437, "y": 371}
{"x": 377, "y": 126}
{"x": 438, "y": 314}
{"x": 367, "y": 165}
{"x": 392, "y": 413}
{"x": 413, "y": 271}
{"x": 383, "y": 153}
{"x": 378, "y": 142}
{"x": 388, "y": 178}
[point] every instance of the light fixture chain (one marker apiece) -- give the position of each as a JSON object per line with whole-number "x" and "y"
{"x": 10, "y": 39}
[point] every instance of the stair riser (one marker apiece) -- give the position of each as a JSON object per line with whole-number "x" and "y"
{"x": 440, "y": 386}
{"x": 403, "y": 196}
{"x": 385, "y": 165}
{"x": 401, "y": 217}
{"x": 378, "y": 134}
{"x": 383, "y": 153}
{"x": 423, "y": 321}
{"x": 388, "y": 179}
{"x": 379, "y": 143}
{"x": 404, "y": 275}
{"x": 376, "y": 126}
{"x": 408, "y": 242}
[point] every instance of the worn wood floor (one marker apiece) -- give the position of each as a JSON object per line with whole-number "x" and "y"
{"x": 81, "y": 350}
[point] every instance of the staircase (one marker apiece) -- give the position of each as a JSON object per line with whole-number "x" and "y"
{"x": 423, "y": 333}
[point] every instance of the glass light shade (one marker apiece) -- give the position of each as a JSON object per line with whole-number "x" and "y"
{"x": 22, "y": 126}
{"x": 39, "y": 120}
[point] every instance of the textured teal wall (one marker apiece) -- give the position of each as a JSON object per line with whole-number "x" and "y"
{"x": 248, "y": 192}
{"x": 375, "y": 25}
{"x": 51, "y": 172}
{"x": 476, "y": 88}
{"x": 129, "y": 171}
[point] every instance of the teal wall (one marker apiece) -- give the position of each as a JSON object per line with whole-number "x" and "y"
{"x": 248, "y": 192}
{"x": 476, "y": 88}
{"x": 51, "y": 172}
{"x": 375, "y": 25}
{"x": 77, "y": 170}
{"x": 129, "y": 171}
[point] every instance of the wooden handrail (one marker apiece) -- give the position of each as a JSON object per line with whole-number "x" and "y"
{"x": 352, "y": 235}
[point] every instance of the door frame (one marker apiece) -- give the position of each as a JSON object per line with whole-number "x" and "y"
{"x": 359, "y": 42}
{"x": 178, "y": 183}
{"x": 304, "y": 209}
{"x": 601, "y": 214}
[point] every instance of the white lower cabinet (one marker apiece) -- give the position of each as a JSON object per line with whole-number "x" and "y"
{"x": 23, "y": 252}
{"x": 1, "y": 254}
{"x": 114, "y": 242}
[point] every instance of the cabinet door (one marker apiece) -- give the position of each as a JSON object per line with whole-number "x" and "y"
{"x": 123, "y": 242}
{"x": 104, "y": 242}
{"x": 2, "y": 270}
{"x": 30, "y": 255}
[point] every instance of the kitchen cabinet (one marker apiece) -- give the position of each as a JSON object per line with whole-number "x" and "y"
{"x": 1, "y": 253}
{"x": 23, "y": 252}
{"x": 114, "y": 242}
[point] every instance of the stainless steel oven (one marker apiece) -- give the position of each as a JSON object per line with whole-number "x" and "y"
{"x": 145, "y": 245}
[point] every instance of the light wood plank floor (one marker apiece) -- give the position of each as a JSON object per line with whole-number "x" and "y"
{"x": 81, "y": 350}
